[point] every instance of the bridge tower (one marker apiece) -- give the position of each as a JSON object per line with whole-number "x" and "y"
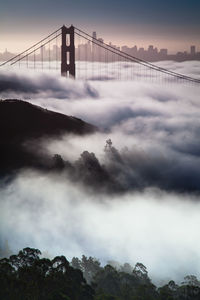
{"x": 68, "y": 52}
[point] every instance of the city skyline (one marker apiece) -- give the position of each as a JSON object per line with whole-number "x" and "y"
{"x": 150, "y": 53}
{"x": 172, "y": 47}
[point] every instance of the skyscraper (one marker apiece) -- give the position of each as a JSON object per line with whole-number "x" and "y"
{"x": 94, "y": 35}
{"x": 192, "y": 50}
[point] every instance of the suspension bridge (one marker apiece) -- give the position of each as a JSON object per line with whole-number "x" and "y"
{"x": 79, "y": 55}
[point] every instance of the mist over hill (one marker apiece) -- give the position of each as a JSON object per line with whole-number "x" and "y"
{"x": 22, "y": 122}
{"x": 135, "y": 200}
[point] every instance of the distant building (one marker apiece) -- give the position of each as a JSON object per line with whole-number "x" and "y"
{"x": 125, "y": 49}
{"x": 150, "y": 49}
{"x": 163, "y": 52}
{"x": 100, "y": 40}
{"x": 94, "y": 35}
{"x": 141, "y": 51}
{"x": 94, "y": 47}
{"x": 94, "y": 51}
{"x": 192, "y": 50}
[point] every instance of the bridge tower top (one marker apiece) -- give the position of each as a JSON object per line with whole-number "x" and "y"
{"x": 68, "y": 52}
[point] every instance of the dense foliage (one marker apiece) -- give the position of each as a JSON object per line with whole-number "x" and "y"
{"x": 28, "y": 276}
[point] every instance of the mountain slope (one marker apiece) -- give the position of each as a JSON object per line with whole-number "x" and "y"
{"x": 21, "y": 121}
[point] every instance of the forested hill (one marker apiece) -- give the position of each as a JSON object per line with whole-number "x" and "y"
{"x": 21, "y": 121}
{"x": 27, "y": 275}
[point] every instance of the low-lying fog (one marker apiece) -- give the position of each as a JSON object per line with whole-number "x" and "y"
{"x": 155, "y": 129}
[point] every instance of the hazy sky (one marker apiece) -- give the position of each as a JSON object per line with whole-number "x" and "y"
{"x": 174, "y": 23}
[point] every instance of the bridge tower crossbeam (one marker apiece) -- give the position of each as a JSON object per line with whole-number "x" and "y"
{"x": 68, "y": 52}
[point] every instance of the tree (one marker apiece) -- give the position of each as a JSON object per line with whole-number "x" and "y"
{"x": 126, "y": 268}
{"x": 76, "y": 263}
{"x": 27, "y": 277}
{"x": 191, "y": 280}
{"x": 140, "y": 272}
{"x": 107, "y": 281}
{"x": 89, "y": 266}
{"x": 58, "y": 162}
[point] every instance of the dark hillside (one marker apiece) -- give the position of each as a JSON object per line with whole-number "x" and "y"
{"x": 21, "y": 121}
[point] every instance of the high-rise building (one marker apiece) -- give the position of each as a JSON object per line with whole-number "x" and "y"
{"x": 94, "y": 46}
{"x": 192, "y": 50}
{"x": 100, "y": 40}
{"x": 163, "y": 52}
{"x": 94, "y": 35}
{"x": 150, "y": 49}
{"x": 42, "y": 52}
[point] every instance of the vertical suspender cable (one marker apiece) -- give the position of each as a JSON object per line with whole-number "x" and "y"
{"x": 42, "y": 55}
{"x": 49, "y": 56}
{"x": 27, "y": 60}
{"x": 34, "y": 59}
{"x": 56, "y": 52}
